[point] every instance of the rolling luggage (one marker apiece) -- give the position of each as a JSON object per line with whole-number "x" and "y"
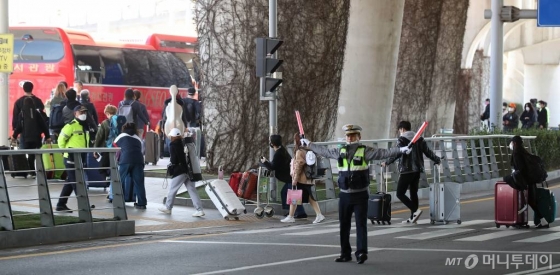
{"x": 152, "y": 148}
{"x": 18, "y": 163}
{"x": 445, "y": 200}
{"x": 379, "y": 204}
{"x": 248, "y": 185}
{"x": 546, "y": 203}
{"x": 224, "y": 198}
{"x": 93, "y": 176}
{"x": 234, "y": 180}
{"x": 5, "y": 158}
{"x": 507, "y": 202}
{"x": 53, "y": 161}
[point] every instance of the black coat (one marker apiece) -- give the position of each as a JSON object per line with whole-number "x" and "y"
{"x": 18, "y": 105}
{"x": 543, "y": 117}
{"x": 413, "y": 162}
{"x": 30, "y": 127}
{"x": 528, "y": 119}
{"x": 178, "y": 158}
{"x": 280, "y": 165}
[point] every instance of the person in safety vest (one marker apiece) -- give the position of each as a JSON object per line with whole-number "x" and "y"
{"x": 74, "y": 135}
{"x": 410, "y": 167}
{"x": 353, "y": 182}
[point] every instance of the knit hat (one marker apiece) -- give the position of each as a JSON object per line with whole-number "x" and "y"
{"x": 517, "y": 140}
{"x": 512, "y": 105}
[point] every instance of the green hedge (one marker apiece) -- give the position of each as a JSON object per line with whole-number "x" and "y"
{"x": 547, "y": 144}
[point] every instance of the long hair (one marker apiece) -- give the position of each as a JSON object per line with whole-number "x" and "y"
{"x": 531, "y": 110}
{"x": 60, "y": 90}
{"x": 297, "y": 143}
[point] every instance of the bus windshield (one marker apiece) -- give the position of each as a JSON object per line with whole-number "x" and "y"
{"x": 37, "y": 46}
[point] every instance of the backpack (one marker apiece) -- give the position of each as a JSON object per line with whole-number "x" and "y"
{"x": 126, "y": 111}
{"x": 312, "y": 167}
{"x": 56, "y": 117}
{"x": 190, "y": 110}
{"x": 116, "y": 123}
{"x": 536, "y": 172}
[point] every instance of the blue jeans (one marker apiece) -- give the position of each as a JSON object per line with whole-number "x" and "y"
{"x": 134, "y": 173}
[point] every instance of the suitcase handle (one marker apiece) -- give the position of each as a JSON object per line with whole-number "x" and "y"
{"x": 544, "y": 183}
{"x": 384, "y": 177}
{"x": 437, "y": 173}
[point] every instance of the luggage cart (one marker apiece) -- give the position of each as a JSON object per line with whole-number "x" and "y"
{"x": 262, "y": 188}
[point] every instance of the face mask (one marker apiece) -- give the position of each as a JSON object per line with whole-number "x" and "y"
{"x": 527, "y": 109}
{"x": 82, "y": 117}
{"x": 511, "y": 146}
{"x": 510, "y": 109}
{"x": 504, "y": 108}
{"x": 538, "y": 105}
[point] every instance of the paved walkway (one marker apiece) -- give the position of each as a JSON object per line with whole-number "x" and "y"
{"x": 148, "y": 220}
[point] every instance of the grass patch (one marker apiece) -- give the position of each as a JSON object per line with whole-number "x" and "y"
{"x": 30, "y": 220}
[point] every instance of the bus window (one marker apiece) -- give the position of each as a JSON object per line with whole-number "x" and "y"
{"x": 88, "y": 64}
{"x": 37, "y": 46}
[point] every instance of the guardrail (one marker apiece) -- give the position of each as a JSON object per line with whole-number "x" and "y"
{"x": 466, "y": 159}
{"x": 44, "y": 198}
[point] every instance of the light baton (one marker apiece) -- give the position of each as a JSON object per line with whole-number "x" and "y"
{"x": 418, "y": 134}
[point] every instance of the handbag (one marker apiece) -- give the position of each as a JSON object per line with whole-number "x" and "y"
{"x": 294, "y": 196}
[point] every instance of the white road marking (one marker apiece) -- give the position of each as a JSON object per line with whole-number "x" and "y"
{"x": 248, "y": 243}
{"x": 313, "y": 232}
{"x": 491, "y": 236}
{"x": 544, "y": 270}
{"x": 463, "y": 224}
{"x": 386, "y": 231}
{"x": 541, "y": 239}
{"x": 434, "y": 234}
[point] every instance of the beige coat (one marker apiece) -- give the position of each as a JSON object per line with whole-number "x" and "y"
{"x": 297, "y": 168}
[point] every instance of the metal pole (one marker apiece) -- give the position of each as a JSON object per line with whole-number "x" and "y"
{"x": 272, "y": 104}
{"x": 496, "y": 65}
{"x": 4, "y": 79}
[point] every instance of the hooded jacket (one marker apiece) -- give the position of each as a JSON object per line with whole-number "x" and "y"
{"x": 413, "y": 162}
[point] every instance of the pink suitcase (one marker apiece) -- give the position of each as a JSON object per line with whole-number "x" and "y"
{"x": 507, "y": 203}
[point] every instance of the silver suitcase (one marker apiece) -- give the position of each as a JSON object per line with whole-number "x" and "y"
{"x": 445, "y": 200}
{"x": 225, "y": 200}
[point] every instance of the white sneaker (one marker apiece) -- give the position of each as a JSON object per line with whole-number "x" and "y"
{"x": 522, "y": 210}
{"x": 165, "y": 210}
{"x": 407, "y": 221}
{"x": 288, "y": 219}
{"x": 416, "y": 215}
{"x": 198, "y": 213}
{"x": 319, "y": 218}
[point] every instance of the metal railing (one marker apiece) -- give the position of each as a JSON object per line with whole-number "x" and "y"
{"x": 44, "y": 198}
{"x": 465, "y": 159}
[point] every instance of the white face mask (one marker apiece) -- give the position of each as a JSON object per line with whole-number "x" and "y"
{"x": 82, "y": 117}
{"x": 527, "y": 109}
{"x": 511, "y": 146}
{"x": 510, "y": 109}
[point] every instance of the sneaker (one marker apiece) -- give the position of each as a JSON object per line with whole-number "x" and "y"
{"x": 542, "y": 224}
{"x": 407, "y": 221}
{"x": 319, "y": 218}
{"x": 288, "y": 219}
{"x": 198, "y": 213}
{"x": 165, "y": 210}
{"x": 63, "y": 208}
{"x": 522, "y": 210}
{"x": 416, "y": 215}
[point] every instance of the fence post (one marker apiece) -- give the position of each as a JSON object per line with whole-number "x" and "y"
{"x": 493, "y": 163}
{"x": 6, "y": 219}
{"x": 457, "y": 162}
{"x": 119, "y": 209}
{"x": 475, "y": 164}
{"x": 466, "y": 162}
{"x": 84, "y": 210}
{"x": 45, "y": 205}
{"x": 484, "y": 159}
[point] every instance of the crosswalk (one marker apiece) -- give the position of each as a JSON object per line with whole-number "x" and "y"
{"x": 475, "y": 231}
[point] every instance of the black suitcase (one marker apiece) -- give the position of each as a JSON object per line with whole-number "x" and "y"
{"x": 379, "y": 204}
{"x": 94, "y": 177}
{"x": 18, "y": 163}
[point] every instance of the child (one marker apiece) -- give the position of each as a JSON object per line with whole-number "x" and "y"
{"x": 178, "y": 162}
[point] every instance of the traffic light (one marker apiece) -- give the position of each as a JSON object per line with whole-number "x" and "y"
{"x": 266, "y": 64}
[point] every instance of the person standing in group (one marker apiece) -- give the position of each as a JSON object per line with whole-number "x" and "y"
{"x": 140, "y": 123}
{"x": 102, "y": 137}
{"x": 528, "y": 117}
{"x": 485, "y": 117}
{"x": 31, "y": 125}
{"x": 75, "y": 134}
{"x": 18, "y": 105}
{"x": 281, "y": 166}
{"x": 410, "y": 168}
{"x": 300, "y": 181}
{"x": 131, "y": 165}
{"x": 131, "y": 109}
{"x": 71, "y": 104}
{"x": 542, "y": 117}
{"x": 191, "y": 108}
{"x": 57, "y": 104}
{"x": 504, "y": 109}
{"x": 511, "y": 119}
{"x": 179, "y": 175}
{"x": 353, "y": 181}
{"x": 93, "y": 119}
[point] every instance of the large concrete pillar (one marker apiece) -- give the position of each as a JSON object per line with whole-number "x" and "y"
{"x": 370, "y": 67}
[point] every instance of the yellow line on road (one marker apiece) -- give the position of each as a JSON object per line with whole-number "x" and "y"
{"x": 463, "y": 202}
{"x": 100, "y": 247}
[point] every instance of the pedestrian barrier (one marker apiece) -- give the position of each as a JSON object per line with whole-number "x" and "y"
{"x": 44, "y": 197}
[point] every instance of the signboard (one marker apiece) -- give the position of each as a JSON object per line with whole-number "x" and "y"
{"x": 548, "y": 13}
{"x": 6, "y": 53}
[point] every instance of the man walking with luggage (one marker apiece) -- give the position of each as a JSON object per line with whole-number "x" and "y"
{"x": 410, "y": 167}
{"x": 353, "y": 182}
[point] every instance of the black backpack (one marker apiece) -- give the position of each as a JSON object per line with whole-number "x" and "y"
{"x": 536, "y": 172}
{"x": 190, "y": 109}
{"x": 56, "y": 118}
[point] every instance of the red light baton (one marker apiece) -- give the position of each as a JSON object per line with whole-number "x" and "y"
{"x": 418, "y": 134}
{"x": 300, "y": 125}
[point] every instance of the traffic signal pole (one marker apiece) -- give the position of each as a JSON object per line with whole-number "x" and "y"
{"x": 272, "y": 104}
{"x": 4, "y": 77}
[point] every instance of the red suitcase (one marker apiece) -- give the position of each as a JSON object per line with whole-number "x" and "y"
{"x": 234, "y": 180}
{"x": 248, "y": 185}
{"x": 507, "y": 204}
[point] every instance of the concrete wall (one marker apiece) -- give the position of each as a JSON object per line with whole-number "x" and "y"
{"x": 370, "y": 67}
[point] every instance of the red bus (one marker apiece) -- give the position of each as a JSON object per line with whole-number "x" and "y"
{"x": 48, "y": 55}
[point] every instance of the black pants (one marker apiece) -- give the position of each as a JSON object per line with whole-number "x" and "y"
{"x": 406, "y": 181}
{"x": 532, "y": 198}
{"x": 30, "y": 157}
{"x": 356, "y": 203}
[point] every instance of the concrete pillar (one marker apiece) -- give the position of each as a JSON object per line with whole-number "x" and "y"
{"x": 370, "y": 67}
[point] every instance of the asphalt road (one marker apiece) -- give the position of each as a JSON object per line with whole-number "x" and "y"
{"x": 303, "y": 248}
